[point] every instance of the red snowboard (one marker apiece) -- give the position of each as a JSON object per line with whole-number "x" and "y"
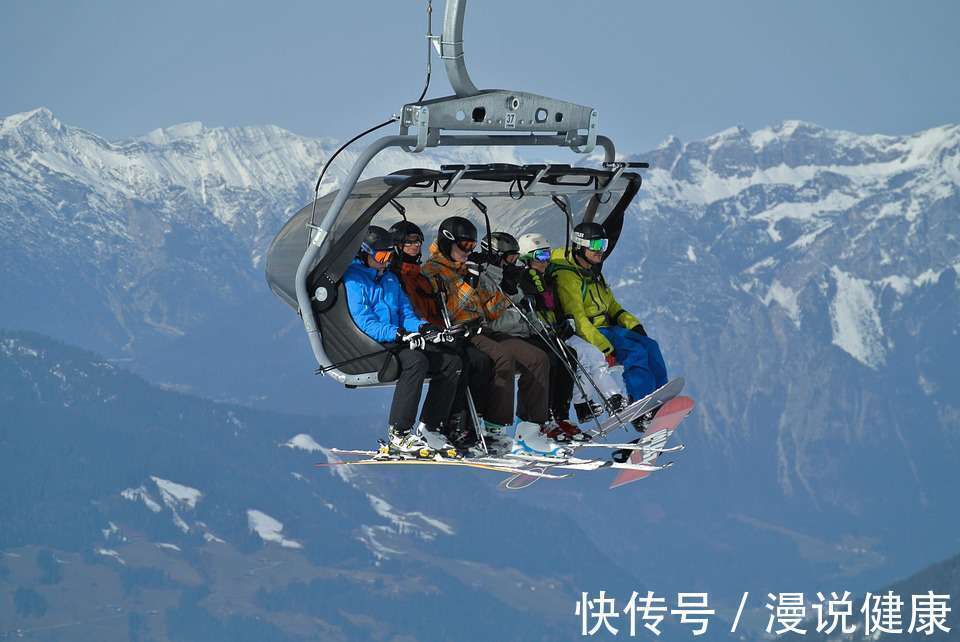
{"x": 658, "y": 434}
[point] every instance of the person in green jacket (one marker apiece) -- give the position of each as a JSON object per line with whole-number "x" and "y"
{"x": 585, "y": 296}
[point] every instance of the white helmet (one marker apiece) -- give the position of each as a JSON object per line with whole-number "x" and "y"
{"x": 533, "y": 241}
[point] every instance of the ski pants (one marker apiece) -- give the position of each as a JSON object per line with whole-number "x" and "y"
{"x": 593, "y": 361}
{"x": 643, "y": 367}
{"x": 478, "y": 372}
{"x": 561, "y": 383}
{"x": 443, "y": 368}
{"x": 511, "y": 355}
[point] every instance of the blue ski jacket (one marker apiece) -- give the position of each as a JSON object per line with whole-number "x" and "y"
{"x": 377, "y": 302}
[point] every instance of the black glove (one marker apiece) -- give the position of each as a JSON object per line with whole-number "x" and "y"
{"x": 472, "y": 327}
{"x": 428, "y": 328}
{"x": 564, "y": 330}
{"x": 639, "y": 330}
{"x": 511, "y": 279}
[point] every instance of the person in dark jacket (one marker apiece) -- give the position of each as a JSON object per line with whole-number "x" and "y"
{"x": 478, "y": 367}
{"x": 382, "y": 310}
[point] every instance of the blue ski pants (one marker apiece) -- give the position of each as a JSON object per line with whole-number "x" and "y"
{"x": 643, "y": 367}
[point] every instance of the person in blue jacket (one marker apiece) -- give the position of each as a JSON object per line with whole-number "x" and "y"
{"x": 382, "y": 310}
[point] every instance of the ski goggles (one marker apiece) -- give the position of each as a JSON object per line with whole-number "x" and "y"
{"x": 467, "y": 245}
{"x": 542, "y": 255}
{"x": 414, "y": 239}
{"x": 594, "y": 245}
{"x": 383, "y": 256}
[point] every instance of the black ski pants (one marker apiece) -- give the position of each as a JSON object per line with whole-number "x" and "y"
{"x": 561, "y": 383}
{"x": 443, "y": 368}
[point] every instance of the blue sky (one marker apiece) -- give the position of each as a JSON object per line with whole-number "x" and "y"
{"x": 324, "y": 68}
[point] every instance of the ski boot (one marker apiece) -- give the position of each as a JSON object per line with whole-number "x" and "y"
{"x": 407, "y": 443}
{"x": 546, "y": 440}
{"x": 587, "y": 410}
{"x": 496, "y": 438}
{"x": 438, "y": 442}
{"x": 641, "y": 423}
{"x": 573, "y": 433}
{"x": 616, "y": 403}
{"x": 458, "y": 433}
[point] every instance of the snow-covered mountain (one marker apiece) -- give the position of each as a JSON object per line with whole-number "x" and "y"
{"x": 131, "y": 512}
{"x": 803, "y": 280}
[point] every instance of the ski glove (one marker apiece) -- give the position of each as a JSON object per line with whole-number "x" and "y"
{"x": 639, "y": 330}
{"x": 415, "y": 341}
{"x": 564, "y": 330}
{"x": 495, "y": 272}
{"x": 428, "y": 328}
{"x": 611, "y": 360}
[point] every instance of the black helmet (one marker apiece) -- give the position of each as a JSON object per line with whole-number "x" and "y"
{"x": 401, "y": 230}
{"x": 454, "y": 230}
{"x": 500, "y": 243}
{"x": 589, "y": 236}
{"x": 376, "y": 240}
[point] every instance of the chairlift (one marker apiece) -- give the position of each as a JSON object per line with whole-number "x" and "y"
{"x": 307, "y": 259}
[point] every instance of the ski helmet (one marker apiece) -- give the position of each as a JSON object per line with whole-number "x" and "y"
{"x": 590, "y": 236}
{"x": 378, "y": 243}
{"x": 501, "y": 244}
{"x": 459, "y": 230}
{"x": 534, "y": 247}
{"x": 402, "y": 230}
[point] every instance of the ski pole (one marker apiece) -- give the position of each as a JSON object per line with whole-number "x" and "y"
{"x": 471, "y": 406}
{"x": 553, "y": 349}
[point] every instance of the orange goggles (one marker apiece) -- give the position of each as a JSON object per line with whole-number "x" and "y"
{"x": 383, "y": 256}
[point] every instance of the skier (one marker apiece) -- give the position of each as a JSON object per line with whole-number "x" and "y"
{"x": 478, "y": 367}
{"x": 383, "y": 312}
{"x": 600, "y": 319}
{"x": 539, "y": 283}
{"x": 472, "y": 295}
{"x": 505, "y": 250}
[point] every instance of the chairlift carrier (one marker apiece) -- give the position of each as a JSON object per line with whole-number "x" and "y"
{"x": 306, "y": 261}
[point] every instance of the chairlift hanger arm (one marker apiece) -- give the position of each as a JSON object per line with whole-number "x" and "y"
{"x": 490, "y": 110}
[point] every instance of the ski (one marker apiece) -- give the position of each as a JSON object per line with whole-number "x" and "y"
{"x": 386, "y": 461}
{"x": 635, "y": 446}
{"x": 666, "y": 421}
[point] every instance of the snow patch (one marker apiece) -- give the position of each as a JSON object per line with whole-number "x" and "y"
{"x": 210, "y": 537}
{"x": 177, "y": 495}
{"x": 172, "y": 547}
{"x": 856, "y": 323}
{"x": 109, "y": 552}
{"x": 413, "y": 523}
{"x": 140, "y": 493}
{"x": 303, "y": 442}
{"x": 380, "y": 550}
{"x": 691, "y": 255}
{"x": 786, "y": 298}
{"x": 111, "y": 529}
{"x": 269, "y": 529}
